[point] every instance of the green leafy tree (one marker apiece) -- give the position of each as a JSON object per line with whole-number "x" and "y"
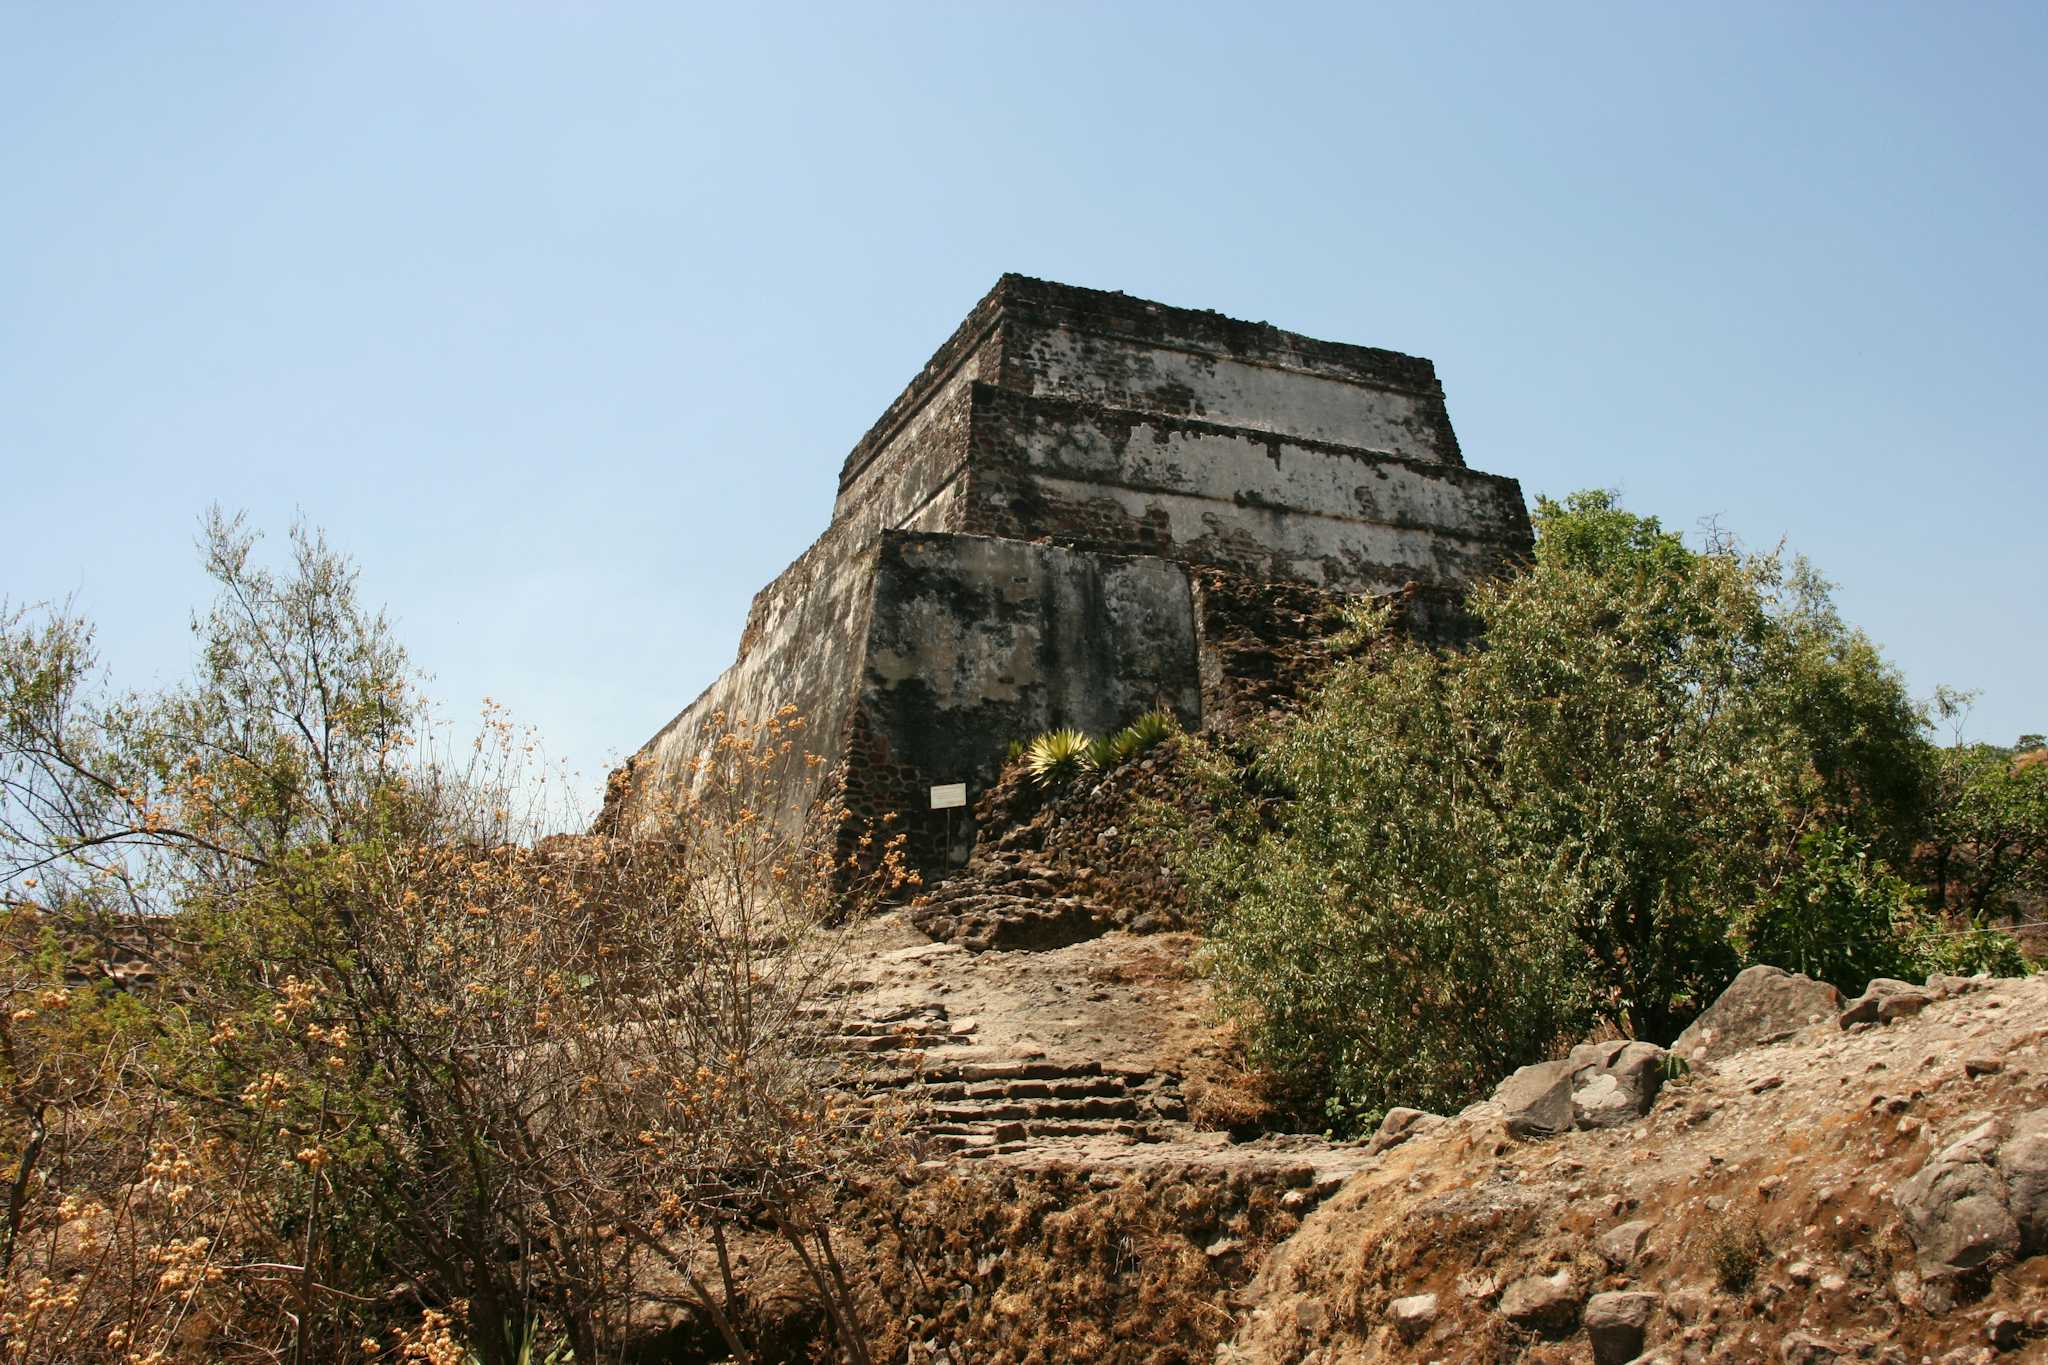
{"x": 1460, "y": 859}
{"x": 1840, "y": 916}
{"x": 1986, "y": 850}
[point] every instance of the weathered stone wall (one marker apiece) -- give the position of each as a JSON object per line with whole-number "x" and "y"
{"x": 976, "y": 641}
{"x": 1281, "y": 507}
{"x": 1034, "y": 337}
{"x": 1128, "y": 353}
{"x": 911, "y": 478}
{"x": 802, "y": 646}
{"x": 1013, "y": 541}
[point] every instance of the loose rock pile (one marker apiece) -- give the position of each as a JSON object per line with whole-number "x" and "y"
{"x": 1061, "y": 867}
{"x": 1600, "y": 1085}
{"x": 1823, "y": 1183}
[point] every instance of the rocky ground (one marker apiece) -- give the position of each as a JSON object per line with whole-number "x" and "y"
{"x": 1799, "y": 1179}
{"x": 1822, "y": 1180}
{"x": 1872, "y": 1191}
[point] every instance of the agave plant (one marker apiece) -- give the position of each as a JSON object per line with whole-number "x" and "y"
{"x": 1152, "y": 728}
{"x": 1135, "y": 738}
{"x": 1058, "y": 757}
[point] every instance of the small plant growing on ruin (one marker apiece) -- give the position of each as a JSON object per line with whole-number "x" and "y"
{"x": 1134, "y": 739}
{"x": 1148, "y": 731}
{"x": 1057, "y": 757}
{"x": 1738, "y": 1253}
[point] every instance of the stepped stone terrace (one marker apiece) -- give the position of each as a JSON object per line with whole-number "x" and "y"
{"x": 1083, "y": 507}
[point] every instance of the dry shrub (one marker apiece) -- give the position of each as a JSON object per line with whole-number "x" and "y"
{"x": 529, "y": 1092}
{"x": 132, "y": 1234}
{"x": 1736, "y": 1253}
{"x": 1224, "y": 1091}
{"x": 1031, "y": 1268}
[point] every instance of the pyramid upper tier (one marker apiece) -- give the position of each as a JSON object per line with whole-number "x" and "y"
{"x": 1110, "y": 423}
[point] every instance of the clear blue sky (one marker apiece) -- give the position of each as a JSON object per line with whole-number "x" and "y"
{"x": 560, "y": 318}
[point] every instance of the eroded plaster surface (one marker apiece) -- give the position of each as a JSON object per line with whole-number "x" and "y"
{"x": 1206, "y": 493}
{"x": 977, "y": 639}
{"x": 1258, "y": 395}
{"x": 1015, "y": 543}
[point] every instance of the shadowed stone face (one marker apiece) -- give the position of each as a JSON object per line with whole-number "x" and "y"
{"x": 1012, "y": 543}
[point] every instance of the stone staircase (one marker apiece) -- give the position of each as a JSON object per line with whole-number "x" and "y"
{"x": 965, "y": 1100}
{"x": 996, "y": 1107}
{"x": 904, "y": 1030}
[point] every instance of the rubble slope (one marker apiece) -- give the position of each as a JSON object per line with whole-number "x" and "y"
{"x": 1804, "y": 1199}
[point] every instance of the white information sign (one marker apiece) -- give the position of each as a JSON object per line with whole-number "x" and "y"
{"x": 949, "y": 797}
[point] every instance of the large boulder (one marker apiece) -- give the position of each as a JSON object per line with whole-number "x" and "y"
{"x": 1399, "y": 1125}
{"x": 1884, "y": 1000}
{"x": 2023, "y": 1163}
{"x": 1620, "y": 1246}
{"x": 1616, "y": 1083}
{"x": 1599, "y": 1085}
{"x": 1536, "y": 1101}
{"x": 1760, "y": 1006}
{"x": 1955, "y": 1207}
{"x": 1943, "y": 985}
{"x": 1413, "y": 1315}
{"x": 1615, "y": 1324}
{"x": 1544, "y": 1303}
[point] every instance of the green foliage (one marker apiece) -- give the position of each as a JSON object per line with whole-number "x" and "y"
{"x": 1145, "y": 733}
{"x": 1987, "y": 847}
{"x": 1839, "y": 916}
{"x": 1057, "y": 757}
{"x": 1451, "y": 862}
{"x": 1590, "y": 531}
{"x": 1377, "y": 961}
{"x": 1134, "y": 740}
{"x": 1939, "y": 944}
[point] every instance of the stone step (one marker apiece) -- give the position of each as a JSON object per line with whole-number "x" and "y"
{"x": 1038, "y": 1069}
{"x": 884, "y": 1042}
{"x": 1010, "y": 1130}
{"x": 963, "y": 1143}
{"x": 946, "y": 1079}
{"x": 1059, "y": 1128}
{"x": 1075, "y": 1088}
{"x": 863, "y": 1028}
{"x": 997, "y": 1144}
{"x": 996, "y": 1111}
{"x": 933, "y": 1014}
{"x": 881, "y": 1042}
